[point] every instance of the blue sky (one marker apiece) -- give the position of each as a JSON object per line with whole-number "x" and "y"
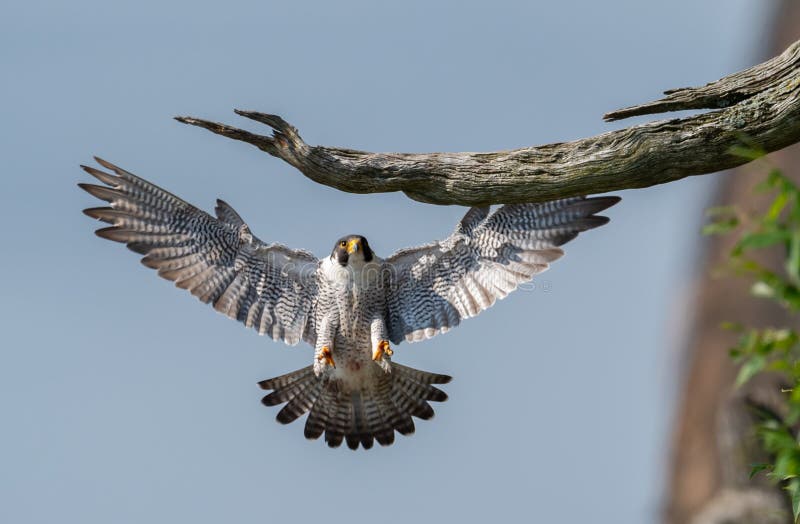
{"x": 127, "y": 401}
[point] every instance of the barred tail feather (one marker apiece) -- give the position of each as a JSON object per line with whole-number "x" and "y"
{"x": 299, "y": 389}
{"x": 358, "y": 417}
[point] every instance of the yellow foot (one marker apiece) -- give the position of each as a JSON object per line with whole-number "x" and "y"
{"x": 383, "y": 348}
{"x": 326, "y": 355}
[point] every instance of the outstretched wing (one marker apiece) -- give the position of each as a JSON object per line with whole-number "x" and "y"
{"x": 431, "y": 288}
{"x": 266, "y": 286}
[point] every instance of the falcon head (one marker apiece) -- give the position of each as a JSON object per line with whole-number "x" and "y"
{"x": 350, "y": 249}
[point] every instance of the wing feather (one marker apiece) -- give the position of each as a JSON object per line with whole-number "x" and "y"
{"x": 431, "y": 288}
{"x": 266, "y": 286}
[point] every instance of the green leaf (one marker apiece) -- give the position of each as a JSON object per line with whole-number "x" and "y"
{"x": 794, "y": 493}
{"x": 787, "y": 463}
{"x": 794, "y": 413}
{"x": 725, "y": 218}
{"x": 750, "y": 341}
{"x": 793, "y": 258}
{"x": 752, "y": 366}
{"x": 721, "y": 227}
{"x": 755, "y": 469}
{"x": 782, "y": 339}
{"x": 774, "y": 180}
{"x": 775, "y": 438}
{"x": 752, "y": 152}
{"x": 779, "y": 365}
{"x": 750, "y": 266}
{"x": 761, "y": 240}
{"x": 777, "y": 206}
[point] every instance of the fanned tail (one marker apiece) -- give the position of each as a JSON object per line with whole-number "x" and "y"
{"x": 361, "y": 416}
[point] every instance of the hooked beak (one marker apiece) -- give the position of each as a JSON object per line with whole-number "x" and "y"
{"x": 353, "y": 246}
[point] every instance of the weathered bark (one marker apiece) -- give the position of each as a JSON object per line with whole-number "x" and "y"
{"x": 760, "y": 106}
{"x": 713, "y": 440}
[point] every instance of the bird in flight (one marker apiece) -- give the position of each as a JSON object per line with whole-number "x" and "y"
{"x": 352, "y": 307}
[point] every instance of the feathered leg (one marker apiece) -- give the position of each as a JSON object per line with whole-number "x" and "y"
{"x": 381, "y": 350}
{"x": 323, "y": 355}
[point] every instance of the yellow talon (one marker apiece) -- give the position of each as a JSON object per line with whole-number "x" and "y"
{"x": 383, "y": 348}
{"x": 326, "y": 355}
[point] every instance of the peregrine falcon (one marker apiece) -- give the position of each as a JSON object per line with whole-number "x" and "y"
{"x": 351, "y": 306}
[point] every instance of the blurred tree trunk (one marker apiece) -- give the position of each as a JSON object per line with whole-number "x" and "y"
{"x": 713, "y": 444}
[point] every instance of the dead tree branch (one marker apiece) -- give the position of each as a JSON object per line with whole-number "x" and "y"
{"x": 759, "y": 106}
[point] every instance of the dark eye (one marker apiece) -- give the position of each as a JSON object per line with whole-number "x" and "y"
{"x": 343, "y": 243}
